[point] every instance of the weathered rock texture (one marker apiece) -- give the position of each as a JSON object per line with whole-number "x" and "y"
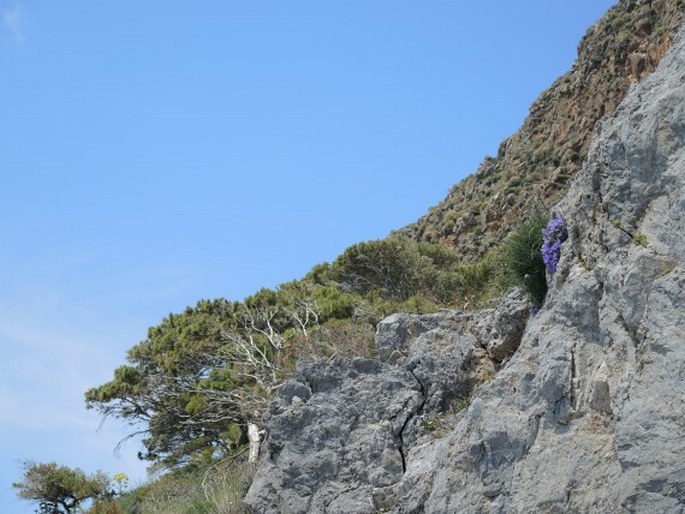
{"x": 581, "y": 409}
{"x": 340, "y": 433}
{"x": 588, "y": 415}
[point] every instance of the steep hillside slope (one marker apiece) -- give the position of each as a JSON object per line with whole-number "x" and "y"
{"x": 535, "y": 165}
{"x": 587, "y": 417}
{"x": 582, "y": 412}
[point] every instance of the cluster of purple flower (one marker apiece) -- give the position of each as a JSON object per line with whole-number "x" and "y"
{"x": 553, "y": 237}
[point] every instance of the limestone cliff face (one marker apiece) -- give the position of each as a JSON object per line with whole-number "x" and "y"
{"x": 578, "y": 409}
{"x": 588, "y": 414}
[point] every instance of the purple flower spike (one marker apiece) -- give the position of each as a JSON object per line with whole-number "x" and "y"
{"x": 552, "y": 238}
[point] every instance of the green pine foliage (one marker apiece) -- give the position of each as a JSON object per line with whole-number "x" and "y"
{"x": 197, "y": 379}
{"x": 60, "y": 489}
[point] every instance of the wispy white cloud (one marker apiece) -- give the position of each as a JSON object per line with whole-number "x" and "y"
{"x": 12, "y": 21}
{"x": 65, "y": 326}
{"x": 41, "y": 414}
{"x": 45, "y": 371}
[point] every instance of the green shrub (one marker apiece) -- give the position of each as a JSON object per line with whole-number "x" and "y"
{"x": 106, "y": 507}
{"x": 60, "y": 489}
{"x": 333, "y": 303}
{"x": 640, "y": 239}
{"x": 390, "y": 267}
{"x": 215, "y": 489}
{"x": 523, "y": 260}
{"x": 418, "y": 305}
{"x": 395, "y": 269}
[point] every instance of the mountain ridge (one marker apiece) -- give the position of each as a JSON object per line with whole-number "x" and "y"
{"x": 533, "y": 167}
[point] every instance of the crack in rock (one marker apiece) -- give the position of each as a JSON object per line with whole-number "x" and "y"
{"x": 412, "y": 414}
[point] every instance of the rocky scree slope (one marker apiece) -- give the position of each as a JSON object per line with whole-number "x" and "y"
{"x": 579, "y": 409}
{"x": 536, "y": 164}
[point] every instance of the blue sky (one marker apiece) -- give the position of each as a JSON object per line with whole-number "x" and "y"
{"x": 156, "y": 153}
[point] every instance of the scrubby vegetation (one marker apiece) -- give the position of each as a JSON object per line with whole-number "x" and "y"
{"x": 60, "y": 489}
{"x": 193, "y": 386}
{"x": 200, "y": 377}
{"x": 198, "y": 380}
{"x": 524, "y": 259}
{"x": 213, "y": 489}
{"x": 538, "y": 162}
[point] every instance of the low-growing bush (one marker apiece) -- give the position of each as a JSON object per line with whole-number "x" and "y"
{"x": 523, "y": 259}
{"x": 215, "y": 489}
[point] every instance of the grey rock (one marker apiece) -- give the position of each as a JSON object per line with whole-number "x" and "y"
{"x": 340, "y": 434}
{"x": 330, "y": 452}
{"x": 584, "y": 410}
{"x": 588, "y": 415}
{"x": 502, "y": 331}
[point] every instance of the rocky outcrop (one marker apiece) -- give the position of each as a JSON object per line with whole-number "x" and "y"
{"x": 537, "y": 163}
{"x": 587, "y": 416}
{"x": 340, "y": 433}
{"x": 579, "y": 409}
